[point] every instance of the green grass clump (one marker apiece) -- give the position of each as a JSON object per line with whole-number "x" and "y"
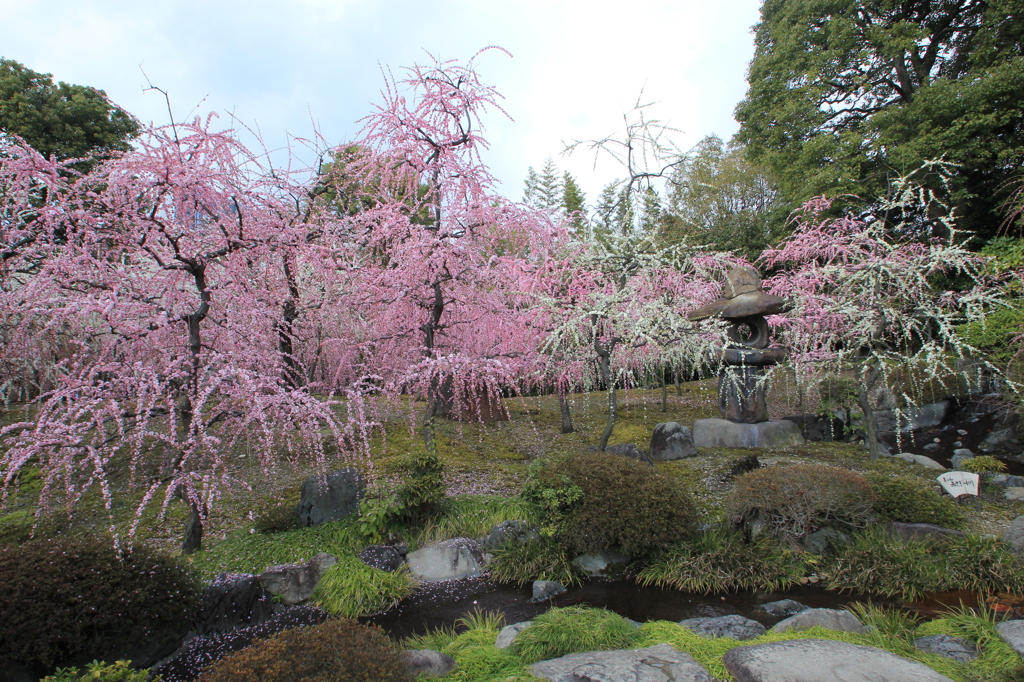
{"x": 570, "y": 630}
{"x": 542, "y": 559}
{"x": 880, "y": 563}
{"x": 246, "y": 552}
{"x": 720, "y": 561}
{"x": 101, "y": 672}
{"x": 350, "y": 588}
{"x": 997, "y": 661}
{"x": 905, "y": 499}
{"x": 473, "y": 516}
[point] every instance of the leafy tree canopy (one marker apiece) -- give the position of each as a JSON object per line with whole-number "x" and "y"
{"x": 846, "y": 95}
{"x": 62, "y": 120}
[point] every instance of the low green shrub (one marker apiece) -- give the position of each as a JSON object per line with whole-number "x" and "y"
{"x": 473, "y": 516}
{"x": 720, "y": 561}
{"x": 542, "y": 559}
{"x": 101, "y": 672}
{"x": 879, "y": 563}
{"x": 350, "y": 588}
{"x": 339, "y": 650}
{"x": 905, "y": 499}
{"x": 63, "y": 598}
{"x": 620, "y": 503}
{"x": 570, "y": 630}
{"x": 801, "y": 498}
{"x": 983, "y": 464}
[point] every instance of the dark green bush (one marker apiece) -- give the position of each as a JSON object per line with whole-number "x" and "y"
{"x": 801, "y": 498}
{"x": 603, "y": 500}
{"x": 720, "y": 561}
{"x": 339, "y": 650}
{"x": 63, "y": 598}
{"x": 900, "y": 498}
{"x": 542, "y": 559}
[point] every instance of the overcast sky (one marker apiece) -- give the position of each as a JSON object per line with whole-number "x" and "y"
{"x": 289, "y": 66}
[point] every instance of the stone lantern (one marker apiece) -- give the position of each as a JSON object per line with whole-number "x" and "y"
{"x": 741, "y": 380}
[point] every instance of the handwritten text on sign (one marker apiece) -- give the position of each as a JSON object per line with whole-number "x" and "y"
{"x": 958, "y": 483}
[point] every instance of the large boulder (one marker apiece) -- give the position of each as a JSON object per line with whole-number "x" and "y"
{"x": 546, "y": 589}
{"x": 1014, "y": 535}
{"x": 453, "y": 559}
{"x": 233, "y": 600}
{"x": 816, "y": 660}
{"x": 294, "y": 583}
{"x": 920, "y": 459}
{"x": 671, "y": 441}
{"x": 428, "y": 662}
{"x": 783, "y": 607}
{"x": 722, "y": 433}
{"x": 1012, "y": 632}
{"x": 661, "y": 663}
{"x": 330, "y": 497}
{"x": 925, "y": 416}
{"x": 833, "y": 619}
{"x": 734, "y": 627}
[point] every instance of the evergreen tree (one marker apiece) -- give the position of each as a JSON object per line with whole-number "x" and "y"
{"x": 574, "y": 203}
{"x": 549, "y": 186}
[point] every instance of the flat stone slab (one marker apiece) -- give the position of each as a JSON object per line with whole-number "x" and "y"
{"x": 661, "y": 663}
{"x": 1014, "y": 493}
{"x": 817, "y": 660}
{"x": 959, "y": 649}
{"x": 1012, "y": 632}
{"x": 722, "y": 433}
{"x": 833, "y": 619}
{"x": 735, "y": 627}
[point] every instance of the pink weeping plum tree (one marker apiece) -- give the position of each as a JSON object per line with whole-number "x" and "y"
{"x": 159, "y": 289}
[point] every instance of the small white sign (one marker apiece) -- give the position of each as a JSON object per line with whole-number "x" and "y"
{"x": 958, "y": 483}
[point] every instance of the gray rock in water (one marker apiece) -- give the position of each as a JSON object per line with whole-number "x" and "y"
{"x": 931, "y": 414}
{"x": 661, "y": 663}
{"x": 428, "y": 662}
{"x": 1012, "y": 632}
{"x": 509, "y": 633}
{"x": 816, "y": 427}
{"x": 600, "y": 564}
{"x": 233, "y": 600}
{"x": 734, "y": 627}
{"x": 784, "y": 607}
{"x": 1008, "y": 481}
{"x": 833, "y": 619}
{"x": 331, "y": 497}
{"x": 631, "y": 451}
{"x": 907, "y": 532}
{"x": 453, "y": 559}
{"x": 546, "y": 589}
{"x": 294, "y": 583}
{"x": 1001, "y": 440}
{"x": 959, "y": 649}
{"x": 671, "y": 441}
{"x": 722, "y": 433}
{"x": 510, "y": 531}
{"x": 817, "y": 660}
{"x": 384, "y": 557}
{"x": 960, "y": 455}
{"x": 1014, "y": 535}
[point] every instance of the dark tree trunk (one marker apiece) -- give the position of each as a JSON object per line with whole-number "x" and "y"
{"x": 563, "y": 404}
{"x": 194, "y": 529}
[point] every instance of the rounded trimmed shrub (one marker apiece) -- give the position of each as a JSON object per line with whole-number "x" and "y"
{"x": 801, "y": 498}
{"x": 595, "y": 501}
{"x": 64, "y": 598}
{"x": 339, "y": 650}
{"x": 900, "y": 498}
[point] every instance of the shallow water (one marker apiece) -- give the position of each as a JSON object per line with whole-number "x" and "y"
{"x": 442, "y": 604}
